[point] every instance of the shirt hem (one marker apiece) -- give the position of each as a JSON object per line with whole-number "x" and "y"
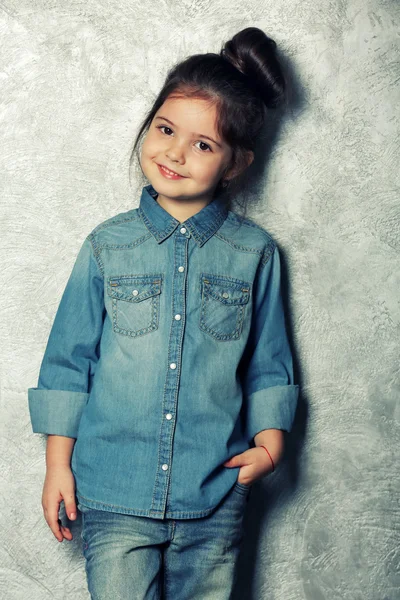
{"x": 153, "y": 514}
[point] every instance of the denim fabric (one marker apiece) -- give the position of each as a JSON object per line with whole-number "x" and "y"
{"x": 129, "y": 557}
{"x": 167, "y": 355}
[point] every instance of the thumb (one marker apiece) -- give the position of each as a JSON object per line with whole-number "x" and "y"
{"x": 232, "y": 462}
{"x": 70, "y": 509}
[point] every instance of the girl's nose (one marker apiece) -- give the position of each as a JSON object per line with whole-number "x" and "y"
{"x": 175, "y": 153}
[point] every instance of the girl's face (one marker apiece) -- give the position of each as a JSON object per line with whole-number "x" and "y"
{"x": 182, "y": 137}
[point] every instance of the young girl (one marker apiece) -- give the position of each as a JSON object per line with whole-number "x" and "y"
{"x": 167, "y": 380}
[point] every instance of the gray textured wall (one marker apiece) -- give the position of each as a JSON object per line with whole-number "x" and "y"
{"x": 76, "y": 78}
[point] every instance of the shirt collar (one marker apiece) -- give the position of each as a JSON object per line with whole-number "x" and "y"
{"x": 161, "y": 224}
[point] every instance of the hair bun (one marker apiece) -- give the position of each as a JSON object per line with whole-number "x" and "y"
{"x": 253, "y": 53}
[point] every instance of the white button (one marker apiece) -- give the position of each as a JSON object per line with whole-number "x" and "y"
{"x": 181, "y": 269}
{"x": 135, "y": 292}
{"x": 177, "y": 317}
{"x": 183, "y": 229}
{"x": 225, "y": 295}
{"x": 168, "y": 416}
{"x": 173, "y": 365}
{"x": 164, "y": 467}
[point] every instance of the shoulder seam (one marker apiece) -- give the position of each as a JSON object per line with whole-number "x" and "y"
{"x": 270, "y": 243}
{"x": 268, "y": 252}
{"x": 96, "y": 252}
{"x": 117, "y": 219}
{"x": 237, "y": 246}
{"x": 250, "y": 223}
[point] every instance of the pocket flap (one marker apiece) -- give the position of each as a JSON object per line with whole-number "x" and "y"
{"x": 134, "y": 288}
{"x": 227, "y": 290}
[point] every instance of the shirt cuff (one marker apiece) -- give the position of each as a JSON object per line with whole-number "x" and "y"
{"x": 271, "y": 408}
{"x": 56, "y": 412}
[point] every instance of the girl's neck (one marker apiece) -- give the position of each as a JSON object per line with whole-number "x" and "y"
{"x": 181, "y": 209}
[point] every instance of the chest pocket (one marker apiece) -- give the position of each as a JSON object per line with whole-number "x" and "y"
{"x": 223, "y": 305}
{"x": 135, "y": 303}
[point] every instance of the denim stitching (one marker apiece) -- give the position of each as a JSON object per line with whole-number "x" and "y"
{"x": 96, "y": 252}
{"x": 178, "y": 514}
{"x": 128, "y": 246}
{"x": 220, "y": 279}
{"x": 119, "y": 219}
{"x": 268, "y": 252}
{"x": 154, "y": 322}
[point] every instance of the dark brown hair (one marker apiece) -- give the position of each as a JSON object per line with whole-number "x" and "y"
{"x": 244, "y": 80}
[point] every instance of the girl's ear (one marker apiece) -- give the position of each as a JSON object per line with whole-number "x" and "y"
{"x": 236, "y": 171}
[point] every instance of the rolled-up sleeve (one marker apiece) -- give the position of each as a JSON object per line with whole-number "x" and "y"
{"x": 72, "y": 352}
{"x": 270, "y": 395}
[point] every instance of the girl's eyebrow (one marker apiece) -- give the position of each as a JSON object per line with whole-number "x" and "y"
{"x": 196, "y": 134}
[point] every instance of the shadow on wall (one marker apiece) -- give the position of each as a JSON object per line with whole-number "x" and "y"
{"x": 280, "y": 485}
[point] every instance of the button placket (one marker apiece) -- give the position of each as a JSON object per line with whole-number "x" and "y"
{"x": 171, "y": 387}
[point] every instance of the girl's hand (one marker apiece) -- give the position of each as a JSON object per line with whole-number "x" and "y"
{"x": 255, "y": 464}
{"x": 59, "y": 485}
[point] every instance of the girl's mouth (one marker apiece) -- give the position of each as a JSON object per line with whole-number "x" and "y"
{"x": 169, "y": 174}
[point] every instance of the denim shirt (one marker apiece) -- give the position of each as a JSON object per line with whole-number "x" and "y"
{"x": 168, "y": 353}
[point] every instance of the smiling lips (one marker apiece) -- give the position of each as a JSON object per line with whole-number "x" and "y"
{"x": 169, "y": 174}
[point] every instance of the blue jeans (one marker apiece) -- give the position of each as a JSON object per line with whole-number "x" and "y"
{"x": 128, "y": 557}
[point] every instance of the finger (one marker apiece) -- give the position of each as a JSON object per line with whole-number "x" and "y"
{"x": 55, "y": 524}
{"x": 65, "y": 531}
{"x": 70, "y": 509}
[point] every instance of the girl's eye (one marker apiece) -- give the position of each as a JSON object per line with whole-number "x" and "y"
{"x": 163, "y": 127}
{"x": 200, "y": 142}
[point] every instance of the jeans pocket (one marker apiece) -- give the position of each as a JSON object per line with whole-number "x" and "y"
{"x": 241, "y": 488}
{"x": 135, "y": 303}
{"x": 223, "y": 305}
